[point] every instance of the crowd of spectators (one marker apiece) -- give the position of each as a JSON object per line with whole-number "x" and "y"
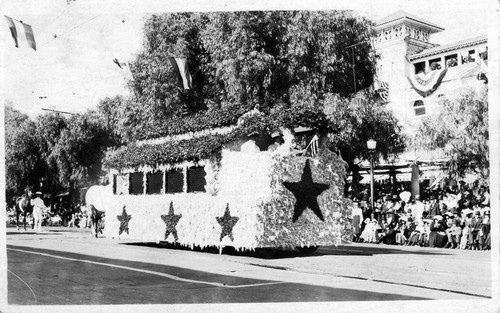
{"x": 456, "y": 217}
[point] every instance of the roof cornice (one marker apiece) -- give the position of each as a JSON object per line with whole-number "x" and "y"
{"x": 450, "y": 47}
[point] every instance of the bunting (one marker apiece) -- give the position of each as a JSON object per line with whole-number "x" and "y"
{"x": 181, "y": 71}
{"x": 21, "y": 33}
{"x": 426, "y": 83}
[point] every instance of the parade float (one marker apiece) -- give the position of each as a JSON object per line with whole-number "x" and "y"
{"x": 225, "y": 187}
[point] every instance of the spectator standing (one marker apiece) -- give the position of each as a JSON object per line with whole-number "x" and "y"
{"x": 450, "y": 230}
{"x": 418, "y": 208}
{"x": 357, "y": 218}
{"x": 484, "y": 232}
{"x": 475, "y": 226}
{"x": 433, "y": 207}
{"x": 38, "y": 207}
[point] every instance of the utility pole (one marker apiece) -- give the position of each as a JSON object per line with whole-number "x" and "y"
{"x": 353, "y": 66}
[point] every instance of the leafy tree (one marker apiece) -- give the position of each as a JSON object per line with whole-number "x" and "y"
{"x": 109, "y": 112}
{"x": 23, "y": 161}
{"x": 48, "y": 130}
{"x": 245, "y": 59}
{"x": 357, "y": 119}
{"x": 80, "y": 151}
{"x": 72, "y": 149}
{"x": 461, "y": 129}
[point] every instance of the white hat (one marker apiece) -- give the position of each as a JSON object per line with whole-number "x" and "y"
{"x": 467, "y": 211}
{"x": 437, "y": 217}
{"x": 38, "y": 193}
{"x": 275, "y": 134}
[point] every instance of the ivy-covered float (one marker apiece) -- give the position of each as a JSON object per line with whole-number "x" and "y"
{"x": 221, "y": 187}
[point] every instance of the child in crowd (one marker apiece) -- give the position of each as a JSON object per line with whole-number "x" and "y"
{"x": 371, "y": 235}
{"x": 456, "y": 233}
{"x": 464, "y": 238}
{"x": 424, "y": 236}
{"x": 414, "y": 237}
{"x": 400, "y": 233}
{"x": 365, "y": 235}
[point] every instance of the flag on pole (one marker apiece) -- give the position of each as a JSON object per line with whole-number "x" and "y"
{"x": 468, "y": 69}
{"x": 125, "y": 67}
{"x": 21, "y": 33}
{"x": 483, "y": 70}
{"x": 314, "y": 145}
{"x": 182, "y": 71}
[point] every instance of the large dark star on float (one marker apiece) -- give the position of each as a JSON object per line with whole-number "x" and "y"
{"x": 124, "y": 219}
{"x": 306, "y": 192}
{"x": 171, "y": 221}
{"x": 227, "y": 223}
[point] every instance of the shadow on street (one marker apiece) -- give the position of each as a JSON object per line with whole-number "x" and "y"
{"x": 272, "y": 253}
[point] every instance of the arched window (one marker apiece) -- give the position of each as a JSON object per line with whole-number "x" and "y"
{"x": 419, "y": 107}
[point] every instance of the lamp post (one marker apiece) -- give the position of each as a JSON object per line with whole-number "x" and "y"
{"x": 371, "y": 144}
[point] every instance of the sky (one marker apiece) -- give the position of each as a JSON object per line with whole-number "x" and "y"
{"x": 72, "y": 68}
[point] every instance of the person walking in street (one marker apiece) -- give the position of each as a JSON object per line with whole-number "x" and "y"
{"x": 38, "y": 207}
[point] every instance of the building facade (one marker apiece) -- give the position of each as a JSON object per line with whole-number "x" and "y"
{"x": 418, "y": 72}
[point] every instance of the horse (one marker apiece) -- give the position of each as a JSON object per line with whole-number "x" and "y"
{"x": 95, "y": 201}
{"x": 23, "y": 206}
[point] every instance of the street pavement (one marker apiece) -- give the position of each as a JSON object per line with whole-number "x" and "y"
{"x": 68, "y": 266}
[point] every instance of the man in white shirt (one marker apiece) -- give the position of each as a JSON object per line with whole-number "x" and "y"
{"x": 38, "y": 207}
{"x": 418, "y": 208}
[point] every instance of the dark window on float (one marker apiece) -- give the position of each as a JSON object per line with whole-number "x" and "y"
{"x": 196, "y": 179}
{"x": 419, "y": 67}
{"x": 136, "y": 183}
{"x": 154, "y": 183}
{"x": 419, "y": 107}
{"x": 175, "y": 181}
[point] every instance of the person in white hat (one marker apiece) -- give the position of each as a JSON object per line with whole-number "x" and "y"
{"x": 38, "y": 207}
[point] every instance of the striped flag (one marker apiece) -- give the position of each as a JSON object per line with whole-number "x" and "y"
{"x": 467, "y": 69}
{"x": 21, "y": 33}
{"x": 314, "y": 145}
{"x": 182, "y": 71}
{"x": 382, "y": 88}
